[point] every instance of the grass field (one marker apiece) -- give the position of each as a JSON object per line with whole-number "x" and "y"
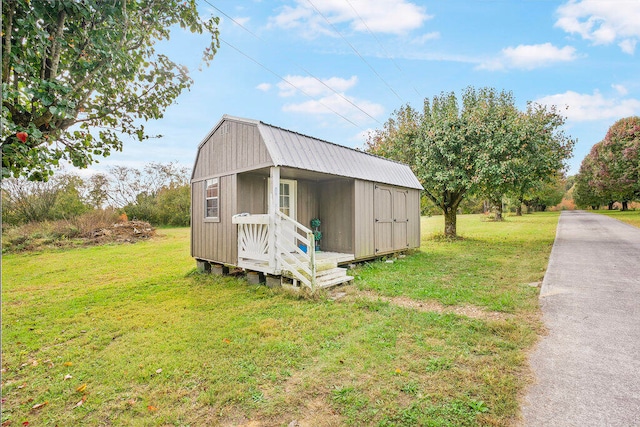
{"x": 131, "y": 335}
{"x": 630, "y": 217}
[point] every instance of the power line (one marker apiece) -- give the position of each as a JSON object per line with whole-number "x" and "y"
{"x": 286, "y": 81}
{"x": 379, "y": 42}
{"x": 355, "y": 50}
{"x": 299, "y": 66}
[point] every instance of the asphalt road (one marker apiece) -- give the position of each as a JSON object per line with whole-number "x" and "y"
{"x": 588, "y": 366}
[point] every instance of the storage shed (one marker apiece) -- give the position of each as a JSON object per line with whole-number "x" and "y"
{"x": 256, "y": 187}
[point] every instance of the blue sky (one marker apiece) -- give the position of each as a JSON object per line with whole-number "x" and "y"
{"x": 348, "y": 64}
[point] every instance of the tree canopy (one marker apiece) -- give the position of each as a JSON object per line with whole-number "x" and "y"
{"x": 484, "y": 146}
{"x": 77, "y": 76}
{"x": 611, "y": 171}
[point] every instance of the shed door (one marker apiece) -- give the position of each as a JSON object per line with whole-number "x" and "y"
{"x": 400, "y": 220}
{"x": 383, "y": 214}
{"x": 288, "y": 203}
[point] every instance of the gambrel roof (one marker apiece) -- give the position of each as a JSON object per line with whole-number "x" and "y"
{"x": 295, "y": 150}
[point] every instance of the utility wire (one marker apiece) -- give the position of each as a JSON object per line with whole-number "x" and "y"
{"x": 379, "y": 42}
{"x": 298, "y": 65}
{"x": 286, "y": 81}
{"x": 355, "y": 50}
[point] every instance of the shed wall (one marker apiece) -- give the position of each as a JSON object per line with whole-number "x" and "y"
{"x": 307, "y": 207}
{"x": 215, "y": 241}
{"x": 363, "y": 220}
{"x": 336, "y": 211}
{"x": 413, "y": 212}
{"x": 252, "y": 193}
{"x": 396, "y": 229}
{"x": 233, "y": 147}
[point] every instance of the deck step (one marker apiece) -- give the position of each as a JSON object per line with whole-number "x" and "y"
{"x": 332, "y": 277}
{"x": 334, "y": 282}
{"x": 331, "y": 273}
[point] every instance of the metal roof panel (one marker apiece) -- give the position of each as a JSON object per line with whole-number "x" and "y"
{"x": 288, "y": 148}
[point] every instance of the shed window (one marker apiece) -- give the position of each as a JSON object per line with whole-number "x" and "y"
{"x": 212, "y": 199}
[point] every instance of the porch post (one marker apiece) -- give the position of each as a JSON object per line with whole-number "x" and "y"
{"x": 274, "y": 206}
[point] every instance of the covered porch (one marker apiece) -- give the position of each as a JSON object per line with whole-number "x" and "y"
{"x": 275, "y": 243}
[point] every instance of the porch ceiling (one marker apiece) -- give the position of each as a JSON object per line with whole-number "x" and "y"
{"x": 293, "y": 173}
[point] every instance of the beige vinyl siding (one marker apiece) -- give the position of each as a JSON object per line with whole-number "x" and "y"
{"x": 397, "y": 210}
{"x": 252, "y": 193}
{"x": 214, "y": 241}
{"x": 336, "y": 211}
{"x": 232, "y": 147}
{"x": 413, "y": 213}
{"x": 307, "y": 207}
{"x": 383, "y": 198}
{"x": 363, "y": 220}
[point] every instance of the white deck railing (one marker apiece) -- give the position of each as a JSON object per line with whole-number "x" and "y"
{"x": 276, "y": 245}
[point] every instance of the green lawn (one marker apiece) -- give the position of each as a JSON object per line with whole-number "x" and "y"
{"x": 630, "y": 217}
{"x": 131, "y": 335}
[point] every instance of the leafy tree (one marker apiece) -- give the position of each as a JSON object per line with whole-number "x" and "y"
{"x": 174, "y": 205}
{"x": 59, "y": 198}
{"x": 546, "y": 193}
{"x": 126, "y": 183}
{"x": 541, "y": 152}
{"x": 481, "y": 147}
{"x": 586, "y": 192}
{"x": 143, "y": 209}
{"x": 620, "y": 160}
{"x": 159, "y": 193}
{"x": 69, "y": 202}
{"x": 611, "y": 170}
{"x": 98, "y": 190}
{"x": 77, "y": 76}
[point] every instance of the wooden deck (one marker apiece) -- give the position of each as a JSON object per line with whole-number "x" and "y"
{"x": 322, "y": 259}
{"x": 277, "y": 245}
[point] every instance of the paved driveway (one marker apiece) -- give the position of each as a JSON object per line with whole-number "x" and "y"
{"x": 588, "y": 366}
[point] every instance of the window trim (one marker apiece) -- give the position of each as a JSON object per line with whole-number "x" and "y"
{"x": 207, "y": 183}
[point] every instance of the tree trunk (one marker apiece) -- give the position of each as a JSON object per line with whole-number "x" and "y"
{"x": 497, "y": 206}
{"x": 450, "y": 218}
{"x": 625, "y": 206}
{"x": 610, "y": 205}
{"x": 519, "y": 207}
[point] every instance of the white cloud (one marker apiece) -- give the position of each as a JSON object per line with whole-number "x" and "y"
{"x": 242, "y": 20}
{"x": 381, "y": 16}
{"x": 586, "y": 107}
{"x": 329, "y": 97}
{"x": 529, "y": 57}
{"x": 315, "y": 87}
{"x": 336, "y": 103}
{"x": 602, "y": 22}
{"x": 426, "y": 37}
{"x": 622, "y": 90}
{"x": 628, "y": 46}
{"x": 264, "y": 87}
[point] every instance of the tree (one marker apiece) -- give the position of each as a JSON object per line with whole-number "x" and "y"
{"x": 127, "y": 184}
{"x": 542, "y": 150}
{"x": 159, "y": 193}
{"x": 546, "y": 193}
{"x": 482, "y": 147}
{"x": 78, "y": 76}
{"x": 587, "y": 192}
{"x": 59, "y": 198}
{"x": 174, "y": 205}
{"x": 620, "y": 160}
{"x": 98, "y": 190}
{"x": 611, "y": 170}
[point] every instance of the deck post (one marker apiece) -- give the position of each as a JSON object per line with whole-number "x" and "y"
{"x": 274, "y": 206}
